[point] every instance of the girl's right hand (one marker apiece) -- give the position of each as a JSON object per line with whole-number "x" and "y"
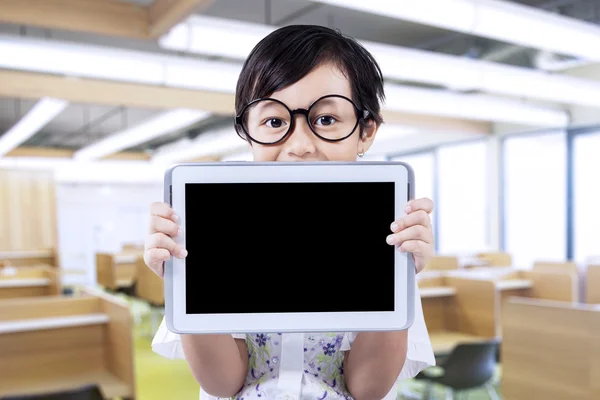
{"x": 160, "y": 244}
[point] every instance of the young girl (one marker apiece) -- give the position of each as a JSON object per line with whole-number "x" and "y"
{"x": 335, "y": 87}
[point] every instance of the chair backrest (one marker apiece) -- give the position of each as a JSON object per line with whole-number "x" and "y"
{"x": 91, "y": 392}
{"x": 470, "y": 365}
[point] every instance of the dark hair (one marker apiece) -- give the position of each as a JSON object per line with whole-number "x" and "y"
{"x": 290, "y": 53}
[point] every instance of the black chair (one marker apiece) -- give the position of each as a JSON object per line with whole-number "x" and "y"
{"x": 90, "y": 392}
{"x": 469, "y": 366}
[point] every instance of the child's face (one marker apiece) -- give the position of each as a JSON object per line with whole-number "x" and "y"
{"x": 302, "y": 144}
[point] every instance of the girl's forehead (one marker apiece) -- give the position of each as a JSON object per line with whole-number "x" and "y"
{"x": 323, "y": 80}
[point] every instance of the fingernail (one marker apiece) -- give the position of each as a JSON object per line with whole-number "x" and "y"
{"x": 179, "y": 232}
{"x": 183, "y": 253}
{"x": 175, "y": 218}
{"x": 390, "y": 239}
{"x": 407, "y": 209}
{"x": 394, "y": 227}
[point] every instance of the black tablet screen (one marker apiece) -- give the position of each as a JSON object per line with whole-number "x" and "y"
{"x": 289, "y": 247}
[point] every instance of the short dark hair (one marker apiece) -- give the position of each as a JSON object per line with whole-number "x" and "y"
{"x": 288, "y": 54}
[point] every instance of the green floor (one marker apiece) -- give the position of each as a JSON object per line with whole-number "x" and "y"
{"x": 159, "y": 378}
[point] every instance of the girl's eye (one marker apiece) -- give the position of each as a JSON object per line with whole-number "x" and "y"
{"x": 325, "y": 120}
{"x": 275, "y": 123}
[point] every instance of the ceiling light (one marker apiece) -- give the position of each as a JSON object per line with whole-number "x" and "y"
{"x": 212, "y": 143}
{"x": 222, "y": 76}
{"x": 472, "y": 107}
{"x": 493, "y": 19}
{"x": 162, "y": 124}
{"x": 398, "y": 63}
{"x": 39, "y": 116}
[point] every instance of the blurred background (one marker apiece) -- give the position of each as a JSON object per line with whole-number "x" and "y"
{"x": 495, "y": 104}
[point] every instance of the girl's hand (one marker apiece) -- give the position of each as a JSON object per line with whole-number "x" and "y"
{"x": 159, "y": 245}
{"x": 413, "y": 234}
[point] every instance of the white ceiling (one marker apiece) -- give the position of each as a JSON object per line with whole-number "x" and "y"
{"x": 80, "y": 125}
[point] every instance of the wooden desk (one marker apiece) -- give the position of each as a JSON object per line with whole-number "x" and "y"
{"x": 550, "y": 350}
{"x": 592, "y": 284}
{"x": 514, "y": 284}
{"x": 555, "y": 266}
{"x": 435, "y": 292}
{"x": 444, "y": 342}
{"x": 25, "y": 282}
{"x": 149, "y": 286}
{"x": 457, "y": 310}
{"x": 57, "y": 343}
{"x": 496, "y": 259}
{"x": 18, "y": 282}
{"x": 20, "y": 258}
{"x": 441, "y": 263}
{"x": 116, "y": 271}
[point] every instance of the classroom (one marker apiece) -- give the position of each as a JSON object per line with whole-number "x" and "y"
{"x": 494, "y": 104}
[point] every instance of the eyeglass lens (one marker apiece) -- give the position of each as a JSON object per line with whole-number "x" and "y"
{"x": 268, "y": 121}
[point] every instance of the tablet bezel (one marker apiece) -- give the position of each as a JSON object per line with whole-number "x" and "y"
{"x": 174, "y": 269}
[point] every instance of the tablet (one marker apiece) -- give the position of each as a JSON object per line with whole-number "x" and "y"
{"x": 288, "y": 247}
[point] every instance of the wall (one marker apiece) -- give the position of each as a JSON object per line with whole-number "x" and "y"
{"x": 100, "y": 217}
{"x": 585, "y": 116}
{"x": 27, "y": 210}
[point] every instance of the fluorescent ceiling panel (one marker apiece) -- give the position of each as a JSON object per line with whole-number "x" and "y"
{"x": 216, "y": 142}
{"x": 222, "y": 76}
{"x": 472, "y": 106}
{"x": 162, "y": 124}
{"x": 493, "y": 19}
{"x": 39, "y": 116}
{"x": 396, "y": 62}
{"x": 99, "y": 62}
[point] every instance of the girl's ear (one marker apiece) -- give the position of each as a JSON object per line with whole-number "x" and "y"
{"x": 368, "y": 136}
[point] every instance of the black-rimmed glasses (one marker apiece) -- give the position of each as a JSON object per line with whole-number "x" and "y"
{"x": 269, "y": 121}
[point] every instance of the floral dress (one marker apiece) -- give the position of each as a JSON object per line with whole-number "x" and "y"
{"x": 323, "y": 367}
{"x": 303, "y": 366}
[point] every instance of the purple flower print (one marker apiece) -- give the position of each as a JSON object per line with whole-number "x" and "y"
{"x": 261, "y": 339}
{"x": 329, "y": 349}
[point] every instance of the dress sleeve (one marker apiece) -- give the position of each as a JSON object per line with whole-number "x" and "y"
{"x": 419, "y": 352}
{"x": 168, "y": 344}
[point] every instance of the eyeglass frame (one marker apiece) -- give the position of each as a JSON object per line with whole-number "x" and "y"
{"x": 361, "y": 114}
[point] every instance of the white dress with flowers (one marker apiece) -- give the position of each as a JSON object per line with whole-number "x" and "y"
{"x": 305, "y": 365}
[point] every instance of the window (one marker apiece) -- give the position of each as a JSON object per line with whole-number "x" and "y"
{"x": 423, "y": 165}
{"x": 586, "y": 197}
{"x": 535, "y": 197}
{"x": 462, "y": 198}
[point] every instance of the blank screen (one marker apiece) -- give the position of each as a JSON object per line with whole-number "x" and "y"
{"x": 289, "y": 247}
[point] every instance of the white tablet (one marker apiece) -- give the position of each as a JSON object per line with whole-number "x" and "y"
{"x": 289, "y": 247}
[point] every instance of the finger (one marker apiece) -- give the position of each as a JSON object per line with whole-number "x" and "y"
{"x": 155, "y": 258}
{"x": 419, "y": 217}
{"x": 163, "y": 225}
{"x": 425, "y": 204}
{"x": 164, "y": 210}
{"x": 416, "y": 247}
{"x": 161, "y": 241}
{"x": 415, "y": 232}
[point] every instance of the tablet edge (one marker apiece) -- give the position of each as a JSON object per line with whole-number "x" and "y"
{"x": 168, "y": 265}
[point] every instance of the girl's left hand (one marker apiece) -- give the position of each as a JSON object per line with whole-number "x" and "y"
{"x": 413, "y": 233}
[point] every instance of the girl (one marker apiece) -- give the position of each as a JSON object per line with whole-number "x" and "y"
{"x": 336, "y": 88}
